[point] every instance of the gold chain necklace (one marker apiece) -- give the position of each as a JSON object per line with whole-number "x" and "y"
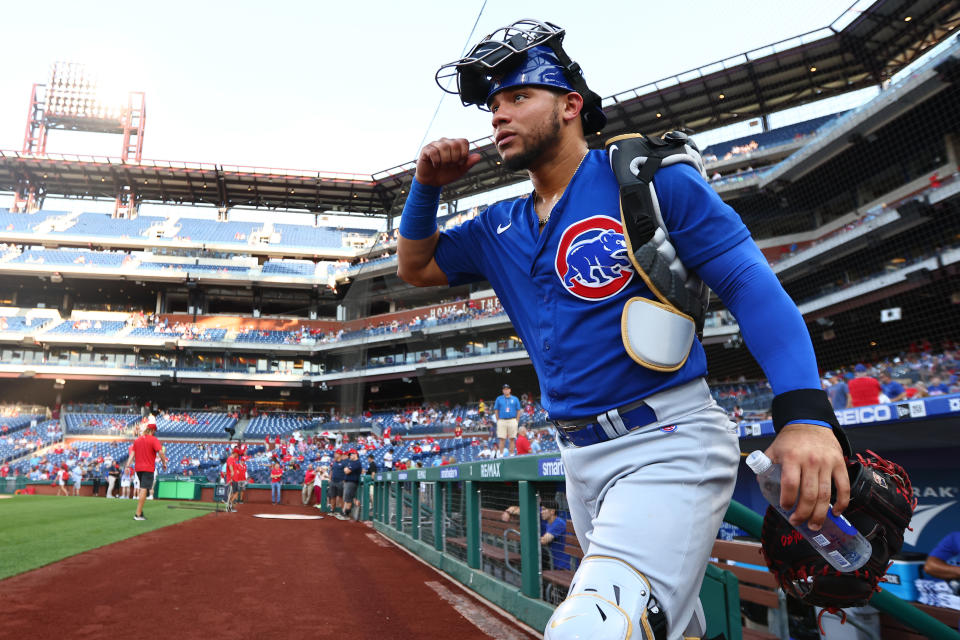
{"x": 543, "y": 221}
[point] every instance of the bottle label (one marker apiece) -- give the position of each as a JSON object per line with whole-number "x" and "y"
{"x": 843, "y": 524}
{"x": 838, "y": 558}
{"x": 821, "y": 540}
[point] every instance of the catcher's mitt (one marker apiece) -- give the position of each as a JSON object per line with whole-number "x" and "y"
{"x": 881, "y": 505}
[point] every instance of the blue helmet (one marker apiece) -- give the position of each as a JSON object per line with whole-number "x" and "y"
{"x": 540, "y": 68}
{"x": 525, "y": 53}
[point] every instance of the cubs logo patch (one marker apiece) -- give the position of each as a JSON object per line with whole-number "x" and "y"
{"x": 669, "y": 429}
{"x": 592, "y": 261}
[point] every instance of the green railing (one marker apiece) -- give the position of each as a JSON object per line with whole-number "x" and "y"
{"x": 454, "y": 517}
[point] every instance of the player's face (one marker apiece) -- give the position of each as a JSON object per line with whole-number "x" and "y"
{"x": 526, "y": 124}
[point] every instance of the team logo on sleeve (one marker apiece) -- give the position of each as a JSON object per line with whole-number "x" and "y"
{"x": 592, "y": 260}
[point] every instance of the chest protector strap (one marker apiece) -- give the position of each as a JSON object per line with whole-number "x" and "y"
{"x": 657, "y": 334}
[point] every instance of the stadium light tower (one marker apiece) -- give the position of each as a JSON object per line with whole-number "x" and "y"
{"x": 74, "y": 99}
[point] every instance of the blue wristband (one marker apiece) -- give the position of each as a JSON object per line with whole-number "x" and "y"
{"x": 419, "y": 218}
{"x": 820, "y": 423}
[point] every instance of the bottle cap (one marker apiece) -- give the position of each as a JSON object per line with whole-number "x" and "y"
{"x": 758, "y": 462}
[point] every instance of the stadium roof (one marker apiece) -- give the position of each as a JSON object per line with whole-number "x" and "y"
{"x": 863, "y": 47}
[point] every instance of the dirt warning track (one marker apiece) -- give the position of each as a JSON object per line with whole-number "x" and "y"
{"x": 237, "y": 576}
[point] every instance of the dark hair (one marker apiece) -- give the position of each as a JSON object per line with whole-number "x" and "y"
{"x": 549, "y": 504}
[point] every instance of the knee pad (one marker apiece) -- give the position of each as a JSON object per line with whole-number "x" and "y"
{"x": 608, "y": 600}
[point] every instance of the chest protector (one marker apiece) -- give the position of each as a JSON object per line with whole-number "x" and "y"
{"x": 657, "y": 334}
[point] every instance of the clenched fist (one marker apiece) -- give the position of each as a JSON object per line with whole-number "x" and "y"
{"x": 445, "y": 160}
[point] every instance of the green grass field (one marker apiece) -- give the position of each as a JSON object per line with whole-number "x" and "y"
{"x": 38, "y": 530}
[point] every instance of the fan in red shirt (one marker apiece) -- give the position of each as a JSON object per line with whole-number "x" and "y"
{"x": 241, "y": 478}
{"x": 307, "y": 490}
{"x": 522, "y": 442}
{"x": 864, "y": 390}
{"x": 232, "y": 483}
{"x": 145, "y": 450}
{"x": 276, "y": 483}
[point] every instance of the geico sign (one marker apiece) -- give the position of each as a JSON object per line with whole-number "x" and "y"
{"x": 862, "y": 415}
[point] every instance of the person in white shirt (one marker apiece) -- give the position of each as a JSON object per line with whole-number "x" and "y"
{"x": 322, "y": 474}
{"x": 388, "y": 460}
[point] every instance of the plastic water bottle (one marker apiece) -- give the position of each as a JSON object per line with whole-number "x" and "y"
{"x": 837, "y": 541}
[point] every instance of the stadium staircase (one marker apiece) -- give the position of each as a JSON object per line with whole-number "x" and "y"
{"x": 242, "y": 425}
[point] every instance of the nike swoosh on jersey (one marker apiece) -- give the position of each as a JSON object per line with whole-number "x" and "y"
{"x": 501, "y": 228}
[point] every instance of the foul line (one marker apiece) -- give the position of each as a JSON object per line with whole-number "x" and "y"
{"x": 377, "y": 540}
{"x": 476, "y": 596}
{"x": 475, "y": 614}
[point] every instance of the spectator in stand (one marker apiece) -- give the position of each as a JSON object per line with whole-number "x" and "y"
{"x": 388, "y": 460}
{"x": 352, "y": 471}
{"x": 506, "y": 409}
{"x": 864, "y": 388}
{"x": 523, "y": 442}
{"x": 308, "y": 477}
{"x": 891, "y": 388}
{"x": 371, "y": 467}
{"x": 837, "y": 391}
{"x": 937, "y": 387}
{"x": 276, "y": 483}
{"x": 918, "y": 390}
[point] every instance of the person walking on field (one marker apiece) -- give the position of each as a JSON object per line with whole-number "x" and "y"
{"x": 613, "y": 336}
{"x": 145, "y": 451}
{"x": 507, "y": 409}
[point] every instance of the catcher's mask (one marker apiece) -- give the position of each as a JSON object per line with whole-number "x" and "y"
{"x": 525, "y": 53}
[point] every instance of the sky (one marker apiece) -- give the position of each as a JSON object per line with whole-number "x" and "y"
{"x": 345, "y": 86}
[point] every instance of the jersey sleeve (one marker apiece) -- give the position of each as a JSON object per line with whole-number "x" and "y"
{"x": 701, "y": 225}
{"x": 558, "y": 528}
{"x": 457, "y": 253}
{"x": 948, "y": 548}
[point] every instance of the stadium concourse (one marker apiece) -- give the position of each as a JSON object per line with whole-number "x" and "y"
{"x": 242, "y": 576}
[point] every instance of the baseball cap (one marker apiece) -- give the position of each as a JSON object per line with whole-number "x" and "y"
{"x": 860, "y": 368}
{"x": 352, "y": 451}
{"x": 506, "y": 386}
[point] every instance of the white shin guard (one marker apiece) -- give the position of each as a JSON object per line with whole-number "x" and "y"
{"x": 608, "y": 600}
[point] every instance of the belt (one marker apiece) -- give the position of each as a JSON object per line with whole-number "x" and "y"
{"x": 607, "y": 426}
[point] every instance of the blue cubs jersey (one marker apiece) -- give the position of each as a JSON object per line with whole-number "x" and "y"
{"x": 564, "y": 289}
